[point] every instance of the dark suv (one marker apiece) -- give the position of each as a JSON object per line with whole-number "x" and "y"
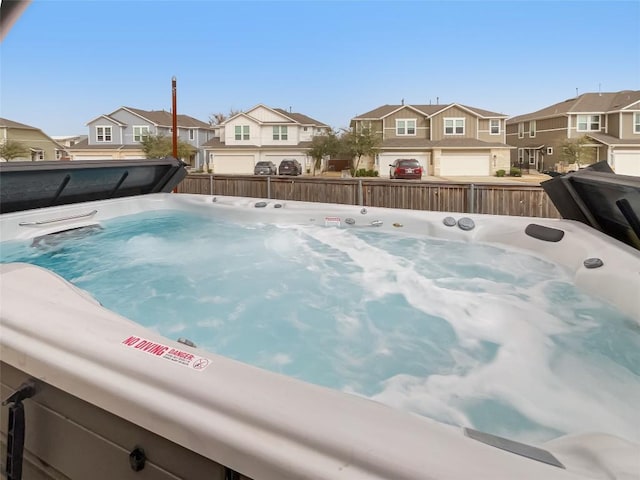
{"x": 290, "y": 167}
{"x": 265, "y": 168}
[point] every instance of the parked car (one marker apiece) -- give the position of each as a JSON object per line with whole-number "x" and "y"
{"x": 290, "y": 167}
{"x": 265, "y": 168}
{"x": 407, "y": 168}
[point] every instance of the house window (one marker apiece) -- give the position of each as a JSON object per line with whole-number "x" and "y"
{"x": 588, "y": 123}
{"x": 192, "y": 134}
{"x": 365, "y": 125}
{"x": 140, "y": 133}
{"x": 454, "y": 126}
{"x": 520, "y": 155}
{"x": 103, "y": 134}
{"x": 636, "y": 123}
{"x": 305, "y": 129}
{"x": 549, "y": 150}
{"x": 521, "y": 130}
{"x": 532, "y": 128}
{"x": 280, "y": 133}
{"x": 532, "y": 157}
{"x": 404, "y": 127}
{"x": 58, "y": 154}
{"x": 242, "y": 132}
{"x": 494, "y": 126}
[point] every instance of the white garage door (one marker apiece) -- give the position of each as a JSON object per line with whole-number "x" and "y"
{"x": 457, "y": 165}
{"x": 626, "y": 163}
{"x": 92, "y": 157}
{"x": 386, "y": 159}
{"x": 233, "y": 164}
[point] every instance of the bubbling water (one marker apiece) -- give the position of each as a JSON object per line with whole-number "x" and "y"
{"x": 467, "y": 334}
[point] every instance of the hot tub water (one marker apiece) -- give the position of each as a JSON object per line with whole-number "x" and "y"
{"x": 468, "y": 334}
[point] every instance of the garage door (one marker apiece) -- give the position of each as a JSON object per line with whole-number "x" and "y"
{"x": 626, "y": 163}
{"x": 386, "y": 159}
{"x": 233, "y": 164}
{"x": 457, "y": 165}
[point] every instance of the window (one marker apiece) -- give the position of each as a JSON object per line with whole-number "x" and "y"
{"x": 305, "y": 129}
{"x": 549, "y": 150}
{"x": 521, "y": 130}
{"x": 242, "y": 132}
{"x": 532, "y": 157}
{"x": 280, "y": 133}
{"x": 520, "y": 155}
{"x": 140, "y": 133}
{"x": 454, "y": 126}
{"x": 636, "y": 123}
{"x": 405, "y": 127}
{"x": 532, "y": 128}
{"x": 588, "y": 123}
{"x": 365, "y": 125}
{"x": 192, "y": 134}
{"x": 103, "y": 134}
{"x": 494, "y": 126}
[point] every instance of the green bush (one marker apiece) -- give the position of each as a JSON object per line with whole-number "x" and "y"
{"x": 363, "y": 172}
{"x": 500, "y": 173}
{"x": 515, "y": 172}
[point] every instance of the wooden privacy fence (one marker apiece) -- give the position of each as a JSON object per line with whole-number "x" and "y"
{"x": 491, "y": 198}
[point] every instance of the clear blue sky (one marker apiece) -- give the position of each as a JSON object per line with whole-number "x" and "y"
{"x": 65, "y": 62}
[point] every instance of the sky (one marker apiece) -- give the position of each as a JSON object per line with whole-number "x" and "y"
{"x": 63, "y": 63}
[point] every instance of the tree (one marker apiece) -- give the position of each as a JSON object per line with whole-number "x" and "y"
{"x": 575, "y": 150}
{"x": 322, "y": 146}
{"x": 11, "y": 149}
{"x": 218, "y": 118}
{"x": 159, "y": 146}
{"x": 359, "y": 143}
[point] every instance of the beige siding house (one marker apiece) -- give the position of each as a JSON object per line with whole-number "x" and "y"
{"x": 447, "y": 140}
{"x": 261, "y": 134}
{"x": 610, "y": 123}
{"x": 38, "y": 145}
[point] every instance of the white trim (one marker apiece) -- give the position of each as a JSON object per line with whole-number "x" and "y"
{"x": 532, "y": 128}
{"x": 141, "y": 135}
{"x": 520, "y": 129}
{"x": 635, "y": 123}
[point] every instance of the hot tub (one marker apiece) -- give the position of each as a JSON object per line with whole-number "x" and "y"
{"x": 118, "y": 392}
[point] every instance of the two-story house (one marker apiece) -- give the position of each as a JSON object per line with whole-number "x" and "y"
{"x": 117, "y": 135}
{"x": 37, "y": 144}
{"x": 610, "y": 123}
{"x": 447, "y": 140}
{"x": 261, "y": 134}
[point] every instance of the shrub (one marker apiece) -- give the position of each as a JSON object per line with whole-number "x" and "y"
{"x": 363, "y": 172}
{"x": 515, "y": 172}
{"x": 500, "y": 173}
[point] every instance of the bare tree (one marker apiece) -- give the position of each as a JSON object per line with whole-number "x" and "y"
{"x": 219, "y": 117}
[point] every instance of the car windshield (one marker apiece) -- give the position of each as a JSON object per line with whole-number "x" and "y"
{"x": 408, "y": 163}
{"x": 262, "y": 164}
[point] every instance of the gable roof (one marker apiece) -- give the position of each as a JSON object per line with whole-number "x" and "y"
{"x": 5, "y": 123}
{"x": 585, "y": 103}
{"x": 107, "y": 117}
{"x": 165, "y": 119}
{"x": 426, "y": 110}
{"x": 294, "y": 117}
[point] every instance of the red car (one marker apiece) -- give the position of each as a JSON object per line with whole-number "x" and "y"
{"x": 406, "y": 168}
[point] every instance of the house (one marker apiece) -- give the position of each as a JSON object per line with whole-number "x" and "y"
{"x": 117, "y": 135}
{"x": 37, "y": 144}
{"x": 609, "y": 123}
{"x": 68, "y": 140}
{"x": 261, "y": 134}
{"x": 447, "y": 140}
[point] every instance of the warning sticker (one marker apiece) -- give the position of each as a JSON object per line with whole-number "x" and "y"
{"x": 331, "y": 221}
{"x": 166, "y": 352}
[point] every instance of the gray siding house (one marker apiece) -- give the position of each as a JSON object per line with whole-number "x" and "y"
{"x": 610, "y": 123}
{"x": 117, "y": 135}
